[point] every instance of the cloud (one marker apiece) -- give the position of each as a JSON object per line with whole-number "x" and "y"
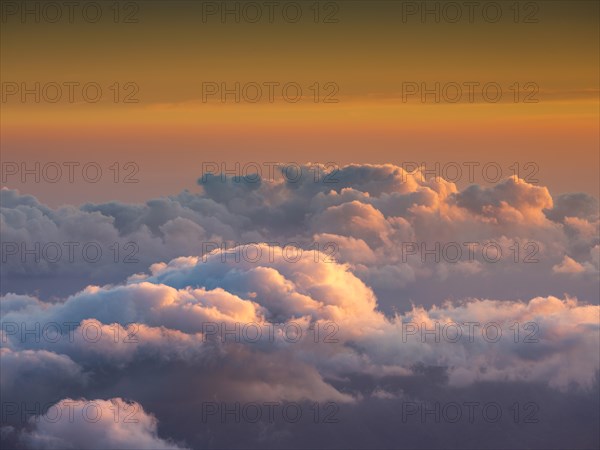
{"x": 95, "y": 424}
{"x": 37, "y": 377}
{"x": 352, "y": 284}
{"x": 568, "y": 265}
{"x": 365, "y": 218}
{"x": 512, "y": 200}
{"x": 578, "y": 205}
{"x": 167, "y": 311}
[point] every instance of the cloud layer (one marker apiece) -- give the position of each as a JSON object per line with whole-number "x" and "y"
{"x": 351, "y": 294}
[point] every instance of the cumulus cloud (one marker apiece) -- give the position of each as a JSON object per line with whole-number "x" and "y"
{"x": 371, "y": 217}
{"x": 355, "y": 288}
{"x": 95, "y": 424}
{"x": 167, "y": 310}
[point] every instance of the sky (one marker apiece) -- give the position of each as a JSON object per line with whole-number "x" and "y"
{"x": 310, "y": 225}
{"x": 367, "y": 56}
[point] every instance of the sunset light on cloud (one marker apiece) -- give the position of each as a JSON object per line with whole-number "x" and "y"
{"x": 307, "y": 225}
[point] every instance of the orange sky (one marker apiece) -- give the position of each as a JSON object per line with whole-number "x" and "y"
{"x": 369, "y": 55}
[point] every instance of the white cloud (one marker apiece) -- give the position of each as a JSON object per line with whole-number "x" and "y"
{"x": 95, "y": 425}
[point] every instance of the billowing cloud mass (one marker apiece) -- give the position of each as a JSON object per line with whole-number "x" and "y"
{"x": 402, "y": 234}
{"x": 362, "y": 296}
{"x": 96, "y": 424}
